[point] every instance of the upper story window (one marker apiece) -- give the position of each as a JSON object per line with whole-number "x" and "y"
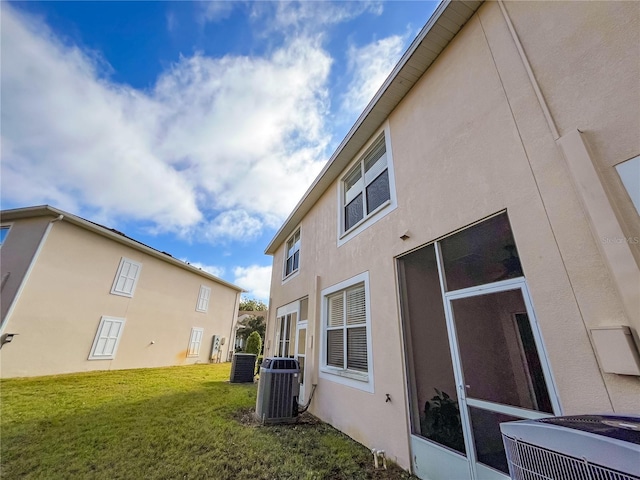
{"x": 366, "y": 186}
{"x": 4, "y": 231}
{"x": 203, "y": 299}
{"x": 292, "y": 254}
{"x": 346, "y": 334}
{"x": 126, "y": 278}
{"x": 367, "y": 190}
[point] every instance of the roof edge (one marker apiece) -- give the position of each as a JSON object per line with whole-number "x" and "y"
{"x": 307, "y": 201}
{"x": 42, "y": 210}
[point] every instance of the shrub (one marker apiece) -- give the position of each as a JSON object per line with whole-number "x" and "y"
{"x": 254, "y": 343}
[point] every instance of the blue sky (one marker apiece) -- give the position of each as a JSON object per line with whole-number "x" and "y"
{"x": 194, "y": 127}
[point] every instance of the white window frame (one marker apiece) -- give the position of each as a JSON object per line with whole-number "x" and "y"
{"x": 194, "y": 343}
{"x": 383, "y": 209}
{"x": 281, "y": 315}
{"x": 94, "y": 355}
{"x": 352, "y": 378}
{"x": 292, "y": 273}
{"x": 124, "y": 262}
{"x": 628, "y": 172}
{"x": 6, "y": 227}
{"x": 203, "y": 299}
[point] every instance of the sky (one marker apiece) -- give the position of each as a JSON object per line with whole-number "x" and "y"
{"x": 193, "y": 127}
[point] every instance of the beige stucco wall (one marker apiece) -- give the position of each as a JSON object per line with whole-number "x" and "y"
{"x": 471, "y": 140}
{"x": 16, "y": 255}
{"x": 68, "y": 291}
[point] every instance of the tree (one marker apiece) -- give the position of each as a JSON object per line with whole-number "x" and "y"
{"x": 252, "y": 305}
{"x": 254, "y": 343}
{"x": 252, "y": 324}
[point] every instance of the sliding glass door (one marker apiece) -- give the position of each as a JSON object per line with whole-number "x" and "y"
{"x": 474, "y": 354}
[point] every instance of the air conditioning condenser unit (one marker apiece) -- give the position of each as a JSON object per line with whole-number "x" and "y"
{"x": 278, "y": 390}
{"x": 581, "y": 447}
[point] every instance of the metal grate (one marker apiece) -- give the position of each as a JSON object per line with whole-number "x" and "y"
{"x": 278, "y": 390}
{"x": 529, "y": 462}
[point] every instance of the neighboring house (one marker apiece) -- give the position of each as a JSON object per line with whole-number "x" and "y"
{"x": 79, "y": 296}
{"x": 473, "y": 242}
{"x": 243, "y": 315}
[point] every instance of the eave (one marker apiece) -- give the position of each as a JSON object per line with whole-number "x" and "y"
{"x": 447, "y": 20}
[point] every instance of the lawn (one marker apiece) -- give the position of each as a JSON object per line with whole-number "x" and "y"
{"x": 166, "y": 423}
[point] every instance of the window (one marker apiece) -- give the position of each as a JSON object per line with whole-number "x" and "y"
{"x": 126, "y": 278}
{"x": 194, "y": 342}
{"x": 107, "y": 338}
{"x": 292, "y": 254}
{"x": 366, "y": 186}
{"x": 346, "y": 339}
{"x": 203, "y": 299}
{"x": 284, "y": 326}
{"x": 629, "y": 172}
{"x": 4, "y": 231}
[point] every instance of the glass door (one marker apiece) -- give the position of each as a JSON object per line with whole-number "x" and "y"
{"x": 300, "y": 355}
{"x": 500, "y": 373}
{"x": 473, "y": 351}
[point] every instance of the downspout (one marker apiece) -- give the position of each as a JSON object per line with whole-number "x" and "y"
{"x": 34, "y": 259}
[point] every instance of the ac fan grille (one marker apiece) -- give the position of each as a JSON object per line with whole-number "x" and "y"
{"x": 281, "y": 404}
{"x": 530, "y": 462}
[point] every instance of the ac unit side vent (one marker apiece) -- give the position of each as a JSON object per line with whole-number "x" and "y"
{"x": 530, "y": 462}
{"x": 585, "y": 447}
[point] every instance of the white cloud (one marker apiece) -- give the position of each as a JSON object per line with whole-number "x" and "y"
{"x": 370, "y": 66}
{"x": 67, "y": 137}
{"x": 238, "y": 133}
{"x": 214, "y": 11}
{"x": 232, "y": 225}
{"x": 212, "y": 269}
{"x": 255, "y": 279}
{"x": 309, "y": 16}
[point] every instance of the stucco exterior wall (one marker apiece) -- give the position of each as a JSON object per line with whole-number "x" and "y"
{"x": 16, "y": 255}
{"x": 469, "y": 140}
{"x": 68, "y": 291}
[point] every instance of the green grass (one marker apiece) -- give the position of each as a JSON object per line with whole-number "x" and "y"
{"x": 167, "y": 423}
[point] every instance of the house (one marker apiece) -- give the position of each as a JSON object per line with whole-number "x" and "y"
{"x": 246, "y": 315}
{"x": 469, "y": 254}
{"x": 77, "y": 296}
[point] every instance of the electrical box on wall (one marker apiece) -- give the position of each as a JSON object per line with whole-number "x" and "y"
{"x": 616, "y": 350}
{"x": 216, "y": 350}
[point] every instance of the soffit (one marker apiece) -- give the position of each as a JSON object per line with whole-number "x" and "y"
{"x": 442, "y": 27}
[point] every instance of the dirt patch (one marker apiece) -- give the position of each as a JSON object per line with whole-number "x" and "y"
{"x": 247, "y": 417}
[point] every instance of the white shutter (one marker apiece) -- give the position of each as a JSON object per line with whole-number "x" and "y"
{"x": 126, "y": 278}
{"x": 203, "y": 298}
{"x": 194, "y": 342}
{"x": 107, "y": 338}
